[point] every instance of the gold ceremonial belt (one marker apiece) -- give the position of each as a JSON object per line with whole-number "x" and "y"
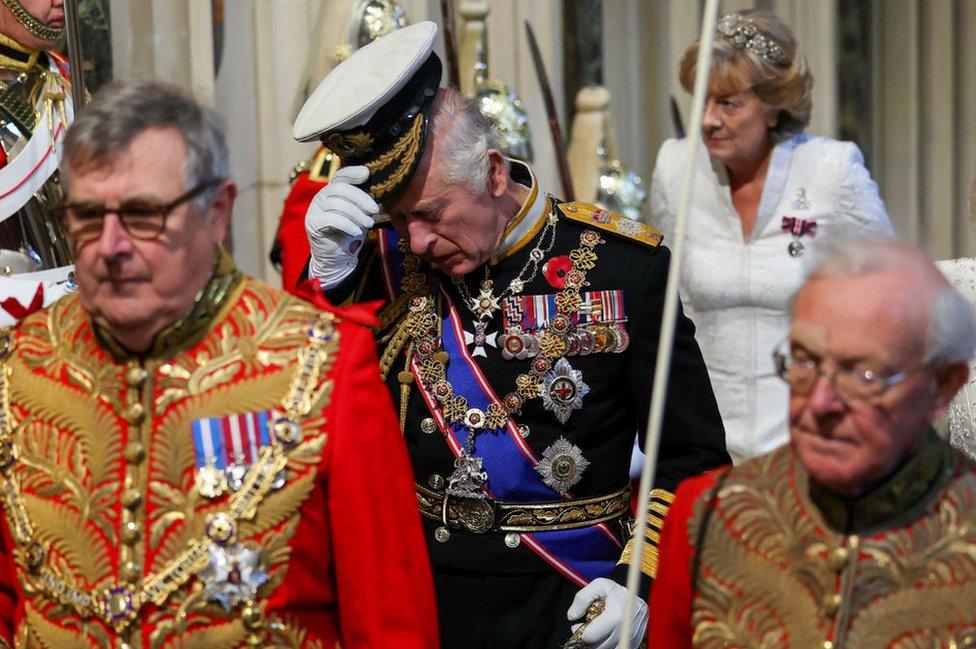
{"x": 483, "y": 515}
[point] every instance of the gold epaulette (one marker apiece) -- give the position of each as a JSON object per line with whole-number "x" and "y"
{"x": 300, "y": 168}
{"x": 608, "y": 221}
{"x": 320, "y": 167}
{"x": 661, "y": 500}
{"x": 324, "y": 164}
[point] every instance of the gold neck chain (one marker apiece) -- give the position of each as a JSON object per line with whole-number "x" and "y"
{"x": 487, "y": 302}
{"x": 422, "y": 325}
{"x": 118, "y": 606}
{"x": 31, "y": 23}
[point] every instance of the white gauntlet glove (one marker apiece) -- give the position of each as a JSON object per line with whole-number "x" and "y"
{"x": 604, "y": 631}
{"x": 336, "y": 223}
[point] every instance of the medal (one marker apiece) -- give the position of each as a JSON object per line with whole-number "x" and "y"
{"x": 468, "y": 478}
{"x": 210, "y": 482}
{"x": 216, "y": 439}
{"x": 562, "y": 465}
{"x": 563, "y": 390}
{"x": 235, "y": 476}
{"x": 798, "y": 227}
{"x": 479, "y": 338}
{"x": 232, "y": 575}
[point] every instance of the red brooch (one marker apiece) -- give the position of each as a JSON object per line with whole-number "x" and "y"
{"x": 555, "y": 270}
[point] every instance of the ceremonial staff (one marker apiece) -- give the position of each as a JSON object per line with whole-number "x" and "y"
{"x": 74, "y": 55}
{"x": 666, "y": 341}
{"x": 557, "y": 135}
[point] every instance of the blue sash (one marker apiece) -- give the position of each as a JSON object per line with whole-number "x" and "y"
{"x": 582, "y": 554}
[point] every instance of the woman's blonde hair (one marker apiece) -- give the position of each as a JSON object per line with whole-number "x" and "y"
{"x": 783, "y": 83}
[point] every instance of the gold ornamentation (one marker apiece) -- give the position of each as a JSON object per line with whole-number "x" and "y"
{"x": 360, "y": 141}
{"x": 660, "y": 503}
{"x": 523, "y": 517}
{"x": 607, "y": 221}
{"x": 402, "y": 148}
{"x": 32, "y": 24}
{"x": 61, "y": 450}
{"x": 406, "y": 150}
{"x": 764, "y": 538}
{"x": 553, "y": 345}
{"x": 24, "y": 58}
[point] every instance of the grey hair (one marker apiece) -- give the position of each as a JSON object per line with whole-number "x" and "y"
{"x": 951, "y": 334}
{"x": 122, "y": 110}
{"x": 467, "y": 136}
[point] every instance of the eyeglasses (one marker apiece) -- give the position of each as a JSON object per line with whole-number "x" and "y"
{"x": 850, "y": 384}
{"x": 141, "y": 218}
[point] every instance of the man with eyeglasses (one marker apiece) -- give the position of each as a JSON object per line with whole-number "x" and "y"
{"x": 862, "y": 531}
{"x": 187, "y": 455}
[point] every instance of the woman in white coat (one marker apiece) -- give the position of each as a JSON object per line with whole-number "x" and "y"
{"x": 765, "y": 195}
{"x": 961, "y": 418}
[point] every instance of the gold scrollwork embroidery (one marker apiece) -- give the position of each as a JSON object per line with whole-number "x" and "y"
{"x": 26, "y": 512}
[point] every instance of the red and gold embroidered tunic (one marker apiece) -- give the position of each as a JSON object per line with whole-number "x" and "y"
{"x": 763, "y": 557}
{"x": 109, "y": 538}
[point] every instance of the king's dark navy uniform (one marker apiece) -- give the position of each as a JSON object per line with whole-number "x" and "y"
{"x": 520, "y": 386}
{"x": 625, "y": 287}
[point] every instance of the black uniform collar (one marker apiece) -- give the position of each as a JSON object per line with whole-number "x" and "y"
{"x": 898, "y": 497}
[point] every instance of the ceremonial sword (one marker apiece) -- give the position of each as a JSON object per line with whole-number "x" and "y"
{"x": 557, "y": 136}
{"x": 74, "y": 55}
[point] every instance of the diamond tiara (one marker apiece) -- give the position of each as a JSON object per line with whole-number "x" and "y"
{"x": 742, "y": 32}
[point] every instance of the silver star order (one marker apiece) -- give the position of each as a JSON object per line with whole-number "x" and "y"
{"x": 563, "y": 390}
{"x": 479, "y": 339}
{"x": 562, "y": 465}
{"x": 232, "y": 576}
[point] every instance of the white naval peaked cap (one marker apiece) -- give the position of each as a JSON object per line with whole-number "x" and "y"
{"x": 371, "y": 109}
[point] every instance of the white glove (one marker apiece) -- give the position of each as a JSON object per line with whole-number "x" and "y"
{"x": 336, "y": 224}
{"x": 604, "y": 631}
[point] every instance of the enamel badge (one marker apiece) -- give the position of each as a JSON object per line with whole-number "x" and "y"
{"x": 562, "y": 465}
{"x": 232, "y": 575}
{"x": 563, "y": 390}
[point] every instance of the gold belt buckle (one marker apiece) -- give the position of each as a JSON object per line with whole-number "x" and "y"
{"x": 476, "y": 515}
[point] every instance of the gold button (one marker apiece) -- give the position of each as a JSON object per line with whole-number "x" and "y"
{"x": 442, "y": 534}
{"x": 130, "y": 572}
{"x": 831, "y": 604}
{"x": 221, "y": 528}
{"x": 135, "y": 452}
{"x": 853, "y": 541}
{"x": 130, "y": 532}
{"x": 252, "y": 618}
{"x": 131, "y": 498}
{"x": 405, "y": 377}
{"x": 135, "y": 414}
{"x": 837, "y": 559}
{"x": 136, "y": 377}
{"x": 436, "y": 481}
{"x": 828, "y": 644}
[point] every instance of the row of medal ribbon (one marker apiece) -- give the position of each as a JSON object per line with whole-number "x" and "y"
{"x": 226, "y": 447}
